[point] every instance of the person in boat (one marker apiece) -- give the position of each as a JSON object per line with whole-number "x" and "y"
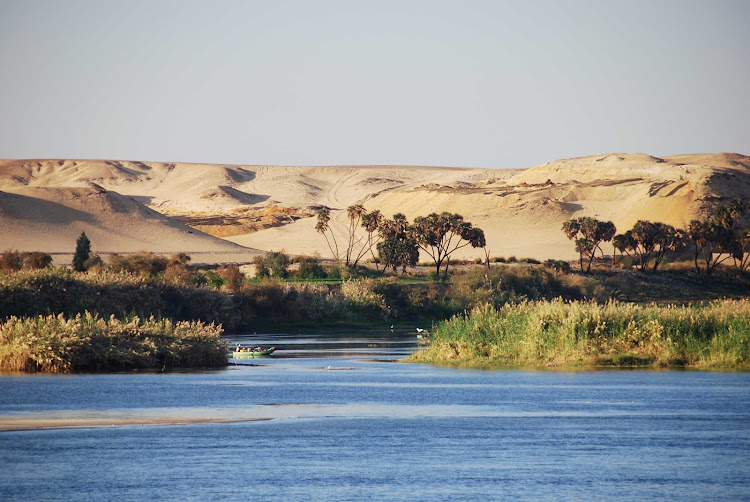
{"x": 238, "y": 348}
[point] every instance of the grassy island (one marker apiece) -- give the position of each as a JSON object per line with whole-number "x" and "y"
{"x": 56, "y": 344}
{"x": 588, "y": 334}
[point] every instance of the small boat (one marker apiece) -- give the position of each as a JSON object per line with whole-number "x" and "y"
{"x": 240, "y": 354}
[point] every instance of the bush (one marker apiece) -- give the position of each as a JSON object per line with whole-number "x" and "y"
{"x": 232, "y": 277}
{"x": 60, "y": 291}
{"x": 145, "y": 264}
{"x": 334, "y": 272}
{"x": 36, "y": 260}
{"x": 310, "y": 268}
{"x": 11, "y": 261}
{"x": 210, "y": 278}
{"x": 274, "y": 263}
{"x": 178, "y": 274}
{"x": 559, "y": 266}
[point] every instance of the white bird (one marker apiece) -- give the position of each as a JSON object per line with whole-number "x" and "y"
{"x": 419, "y": 330}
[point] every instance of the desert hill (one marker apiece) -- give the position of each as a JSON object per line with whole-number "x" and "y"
{"x": 270, "y": 207}
{"x": 51, "y": 219}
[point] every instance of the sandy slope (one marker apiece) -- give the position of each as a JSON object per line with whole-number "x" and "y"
{"x": 520, "y": 211}
{"x": 51, "y": 219}
{"x": 522, "y": 214}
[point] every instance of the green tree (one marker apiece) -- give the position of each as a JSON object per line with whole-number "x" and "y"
{"x": 323, "y": 227}
{"x": 397, "y": 247}
{"x": 439, "y": 235}
{"x": 733, "y": 218}
{"x": 588, "y": 233}
{"x": 83, "y": 251}
{"x": 354, "y": 213}
{"x": 722, "y": 236}
{"x": 648, "y": 242}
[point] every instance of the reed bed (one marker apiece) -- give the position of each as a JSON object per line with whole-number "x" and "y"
{"x": 88, "y": 342}
{"x": 556, "y": 333}
{"x": 30, "y": 293}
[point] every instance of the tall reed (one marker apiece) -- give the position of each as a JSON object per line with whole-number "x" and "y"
{"x": 88, "y": 342}
{"x": 714, "y": 335}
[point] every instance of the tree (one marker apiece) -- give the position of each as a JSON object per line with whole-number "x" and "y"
{"x": 648, "y": 241}
{"x": 354, "y": 213}
{"x": 397, "y": 246}
{"x": 732, "y": 217}
{"x": 83, "y": 251}
{"x": 323, "y": 227}
{"x": 274, "y": 263}
{"x": 589, "y": 233}
{"x": 359, "y": 245}
{"x": 721, "y": 236}
{"x": 439, "y": 235}
{"x": 371, "y": 223}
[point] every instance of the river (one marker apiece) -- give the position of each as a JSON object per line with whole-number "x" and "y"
{"x": 331, "y": 417}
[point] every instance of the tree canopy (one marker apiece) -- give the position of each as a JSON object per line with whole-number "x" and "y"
{"x": 82, "y": 253}
{"x": 588, "y": 233}
{"x": 439, "y": 235}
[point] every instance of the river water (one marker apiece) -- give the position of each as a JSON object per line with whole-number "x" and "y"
{"x": 331, "y": 417}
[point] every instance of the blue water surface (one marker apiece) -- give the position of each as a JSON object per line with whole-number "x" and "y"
{"x": 352, "y": 428}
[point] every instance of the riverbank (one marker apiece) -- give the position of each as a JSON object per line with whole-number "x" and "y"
{"x": 715, "y": 335}
{"x": 88, "y": 342}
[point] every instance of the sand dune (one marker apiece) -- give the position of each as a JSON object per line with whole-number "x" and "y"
{"x": 521, "y": 211}
{"x": 51, "y": 219}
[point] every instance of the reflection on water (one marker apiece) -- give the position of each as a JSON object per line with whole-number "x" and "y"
{"x": 345, "y": 424}
{"x": 387, "y": 344}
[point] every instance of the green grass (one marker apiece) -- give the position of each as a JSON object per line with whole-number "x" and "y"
{"x": 56, "y": 344}
{"x": 555, "y": 333}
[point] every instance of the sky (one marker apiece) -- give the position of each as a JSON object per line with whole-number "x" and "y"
{"x": 470, "y": 83}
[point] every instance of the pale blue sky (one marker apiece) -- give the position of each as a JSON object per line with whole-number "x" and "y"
{"x": 460, "y": 83}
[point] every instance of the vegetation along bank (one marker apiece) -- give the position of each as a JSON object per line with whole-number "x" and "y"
{"x": 588, "y": 334}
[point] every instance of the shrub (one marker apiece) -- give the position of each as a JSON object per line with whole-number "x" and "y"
{"x": 232, "y": 277}
{"x": 146, "y": 264}
{"x": 310, "y": 268}
{"x": 334, "y": 272}
{"x": 11, "y": 261}
{"x": 36, "y": 260}
{"x": 178, "y": 274}
{"x": 274, "y": 263}
{"x": 209, "y": 278}
{"x": 60, "y": 291}
{"x": 559, "y": 266}
{"x": 361, "y": 294}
